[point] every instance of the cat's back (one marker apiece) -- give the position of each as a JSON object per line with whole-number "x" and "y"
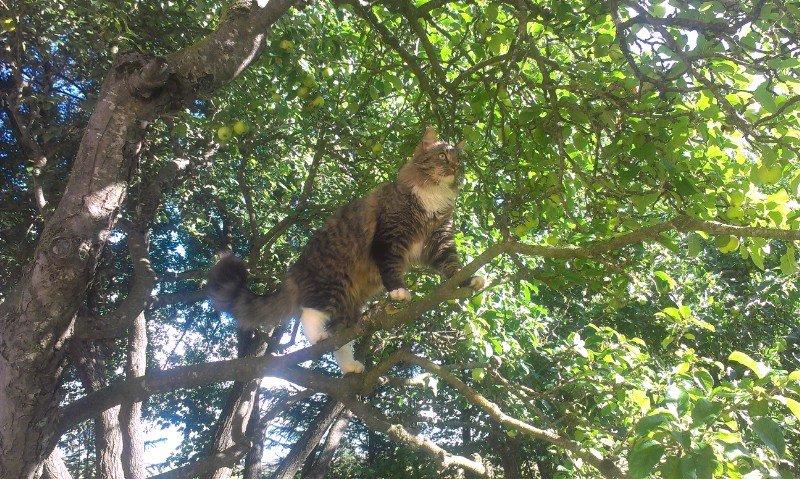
{"x": 350, "y": 229}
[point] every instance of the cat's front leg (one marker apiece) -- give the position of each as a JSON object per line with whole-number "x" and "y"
{"x": 392, "y": 277}
{"x": 441, "y": 254}
{"x": 389, "y": 256}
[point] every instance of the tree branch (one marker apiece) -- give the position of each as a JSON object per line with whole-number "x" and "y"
{"x": 344, "y": 391}
{"x": 303, "y": 447}
{"x": 226, "y": 458}
{"x": 250, "y": 368}
{"x": 605, "y": 465}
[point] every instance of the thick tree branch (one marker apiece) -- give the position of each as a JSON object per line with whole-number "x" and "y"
{"x": 41, "y": 308}
{"x": 318, "y": 465}
{"x": 217, "y": 460}
{"x": 54, "y": 467}
{"x": 376, "y": 420}
{"x": 130, "y": 413}
{"x": 303, "y": 447}
{"x": 249, "y": 368}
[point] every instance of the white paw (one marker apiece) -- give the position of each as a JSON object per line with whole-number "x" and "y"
{"x": 477, "y": 283}
{"x": 355, "y": 367}
{"x": 400, "y": 294}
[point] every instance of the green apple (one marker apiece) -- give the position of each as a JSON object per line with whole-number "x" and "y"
{"x": 309, "y": 81}
{"x": 240, "y": 127}
{"x": 377, "y": 148}
{"x": 317, "y": 101}
{"x": 302, "y": 92}
{"x": 286, "y": 45}
{"x": 224, "y": 133}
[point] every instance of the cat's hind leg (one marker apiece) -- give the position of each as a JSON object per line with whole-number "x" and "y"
{"x": 346, "y": 361}
{"x": 315, "y": 324}
{"x": 315, "y": 328}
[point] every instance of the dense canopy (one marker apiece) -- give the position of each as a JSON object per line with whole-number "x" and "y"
{"x": 631, "y": 193}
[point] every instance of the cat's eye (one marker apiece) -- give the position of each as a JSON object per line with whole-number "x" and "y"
{"x": 442, "y": 156}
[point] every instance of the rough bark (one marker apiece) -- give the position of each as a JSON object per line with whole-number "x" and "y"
{"x": 54, "y": 467}
{"x": 234, "y": 419}
{"x": 212, "y": 462}
{"x": 508, "y": 450}
{"x": 233, "y": 423}
{"x": 107, "y": 433}
{"x": 318, "y": 465}
{"x": 37, "y": 319}
{"x": 255, "y": 430}
{"x": 130, "y": 414}
{"x": 308, "y": 441}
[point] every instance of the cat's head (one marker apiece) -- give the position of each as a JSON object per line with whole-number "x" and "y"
{"x": 434, "y": 162}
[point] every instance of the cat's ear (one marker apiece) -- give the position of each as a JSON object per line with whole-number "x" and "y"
{"x": 430, "y": 137}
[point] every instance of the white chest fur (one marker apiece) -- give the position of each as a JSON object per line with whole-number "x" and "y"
{"x": 436, "y": 198}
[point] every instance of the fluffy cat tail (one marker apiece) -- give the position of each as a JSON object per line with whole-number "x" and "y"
{"x": 228, "y": 290}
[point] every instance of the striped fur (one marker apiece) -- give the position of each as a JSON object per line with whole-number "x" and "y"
{"x": 366, "y": 246}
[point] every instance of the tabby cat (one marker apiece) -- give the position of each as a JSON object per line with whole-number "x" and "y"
{"x": 367, "y": 244}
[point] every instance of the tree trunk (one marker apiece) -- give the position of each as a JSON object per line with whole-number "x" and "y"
{"x": 107, "y": 433}
{"x": 130, "y": 414}
{"x": 54, "y": 467}
{"x": 508, "y": 450}
{"x": 108, "y": 445}
{"x": 233, "y": 422}
{"x": 308, "y": 441}
{"x": 37, "y": 319}
{"x": 318, "y": 467}
{"x": 255, "y": 431}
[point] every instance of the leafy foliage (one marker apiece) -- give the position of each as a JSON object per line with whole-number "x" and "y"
{"x": 583, "y": 120}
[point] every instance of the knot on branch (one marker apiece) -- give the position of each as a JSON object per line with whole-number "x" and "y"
{"x": 146, "y": 77}
{"x": 147, "y": 82}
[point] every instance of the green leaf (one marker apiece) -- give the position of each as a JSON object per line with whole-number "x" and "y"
{"x": 757, "y": 367}
{"x": 790, "y": 403}
{"x": 648, "y": 423}
{"x": 765, "y": 97}
{"x": 705, "y": 462}
{"x": 496, "y": 44}
{"x": 671, "y": 469}
{"x": 783, "y": 63}
{"x": 757, "y": 256}
{"x": 770, "y": 434}
{"x": 789, "y": 263}
{"x": 694, "y": 245}
{"x": 663, "y": 278}
{"x": 704, "y": 410}
{"x": 643, "y": 458}
{"x": 677, "y": 400}
{"x": 639, "y": 397}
